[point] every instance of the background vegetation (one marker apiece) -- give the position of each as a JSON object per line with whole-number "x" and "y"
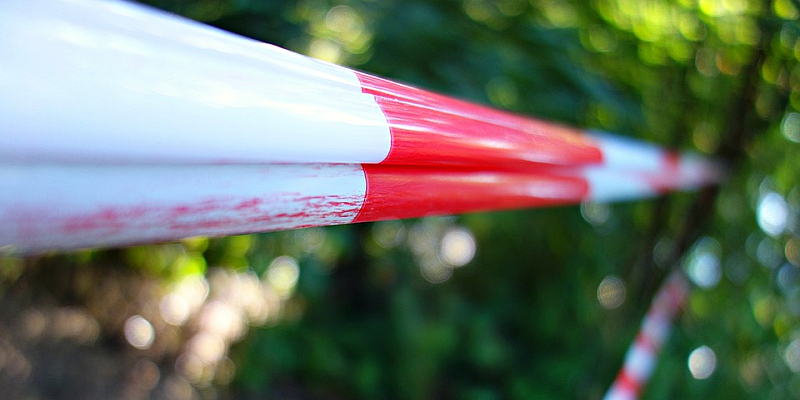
{"x": 551, "y": 298}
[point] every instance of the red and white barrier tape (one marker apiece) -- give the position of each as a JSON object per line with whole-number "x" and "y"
{"x": 103, "y": 81}
{"x": 72, "y": 206}
{"x": 640, "y": 360}
{"x": 125, "y": 125}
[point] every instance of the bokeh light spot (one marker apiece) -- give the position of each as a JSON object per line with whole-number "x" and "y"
{"x": 788, "y": 278}
{"x": 791, "y": 355}
{"x": 602, "y": 40}
{"x": 74, "y": 323}
{"x": 595, "y": 213}
{"x": 486, "y": 12}
{"x": 225, "y": 372}
{"x": 33, "y": 324}
{"x": 208, "y": 347}
{"x": 702, "y": 362}
{"x": 703, "y": 265}
{"x": 388, "y": 234}
{"x": 764, "y": 309}
{"x": 310, "y": 240}
{"x": 283, "y": 274}
{"x": 139, "y": 332}
{"x": 191, "y": 367}
{"x": 220, "y": 318}
{"x": 772, "y": 214}
{"x": 662, "y": 252}
{"x": 146, "y": 374}
{"x": 343, "y": 19}
{"x": 785, "y": 9}
{"x": 422, "y": 237}
{"x": 790, "y": 127}
{"x": 768, "y": 253}
{"x": 792, "y": 251}
{"x": 174, "y": 309}
{"x": 178, "y": 388}
{"x": 325, "y": 50}
{"x": 560, "y": 13}
{"x": 705, "y": 62}
{"x": 433, "y": 270}
{"x": 611, "y": 292}
{"x": 690, "y": 27}
{"x": 750, "y": 371}
{"x": 793, "y": 303}
{"x": 458, "y": 247}
{"x": 502, "y": 92}
{"x": 705, "y": 137}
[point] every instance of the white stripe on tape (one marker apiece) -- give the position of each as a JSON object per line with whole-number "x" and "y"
{"x": 49, "y": 207}
{"x": 95, "y": 81}
{"x": 639, "y": 363}
{"x": 623, "y": 153}
{"x": 620, "y": 393}
{"x": 607, "y": 184}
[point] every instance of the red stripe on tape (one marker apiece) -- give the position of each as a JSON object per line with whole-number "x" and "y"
{"x": 628, "y": 383}
{"x": 408, "y": 192}
{"x": 669, "y": 177}
{"x": 651, "y": 345}
{"x": 429, "y": 128}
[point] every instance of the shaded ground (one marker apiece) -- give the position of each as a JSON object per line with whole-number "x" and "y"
{"x": 75, "y": 347}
